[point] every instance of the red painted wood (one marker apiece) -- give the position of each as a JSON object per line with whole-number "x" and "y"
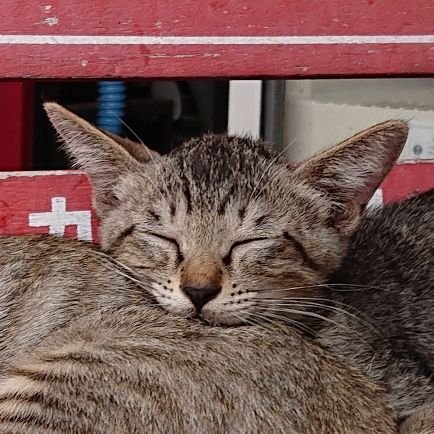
{"x": 216, "y": 18}
{"x": 29, "y": 193}
{"x": 408, "y": 178}
{"x": 215, "y": 61}
{"x": 16, "y": 109}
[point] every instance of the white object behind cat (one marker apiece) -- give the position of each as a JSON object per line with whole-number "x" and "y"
{"x": 244, "y": 112}
{"x": 320, "y": 114}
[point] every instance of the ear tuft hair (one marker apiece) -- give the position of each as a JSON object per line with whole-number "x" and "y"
{"x": 350, "y": 172}
{"x": 102, "y": 156}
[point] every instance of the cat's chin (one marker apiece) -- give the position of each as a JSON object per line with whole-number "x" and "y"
{"x": 221, "y": 318}
{"x": 197, "y": 319}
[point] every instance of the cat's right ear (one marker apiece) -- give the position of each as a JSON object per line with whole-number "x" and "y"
{"x": 104, "y": 157}
{"x": 349, "y": 173}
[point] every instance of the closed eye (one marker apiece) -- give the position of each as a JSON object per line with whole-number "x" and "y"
{"x": 171, "y": 241}
{"x": 227, "y": 258}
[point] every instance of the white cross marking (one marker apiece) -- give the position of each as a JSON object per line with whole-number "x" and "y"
{"x": 58, "y": 218}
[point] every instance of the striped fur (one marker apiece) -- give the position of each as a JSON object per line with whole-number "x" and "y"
{"x": 84, "y": 349}
{"x": 138, "y": 370}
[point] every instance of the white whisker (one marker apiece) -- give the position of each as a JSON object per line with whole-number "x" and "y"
{"x": 269, "y": 316}
{"x": 330, "y": 286}
{"x": 302, "y": 303}
{"x": 138, "y": 138}
{"x": 111, "y": 264}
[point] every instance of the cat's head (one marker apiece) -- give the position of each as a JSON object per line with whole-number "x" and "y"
{"x": 223, "y": 226}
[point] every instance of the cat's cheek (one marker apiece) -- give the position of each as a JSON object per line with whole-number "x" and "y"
{"x": 166, "y": 294}
{"x": 232, "y": 308}
{"x": 176, "y": 304}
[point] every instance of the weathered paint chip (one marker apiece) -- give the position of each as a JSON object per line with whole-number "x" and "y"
{"x": 51, "y": 21}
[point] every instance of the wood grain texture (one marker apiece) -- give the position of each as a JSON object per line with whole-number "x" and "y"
{"x": 216, "y": 18}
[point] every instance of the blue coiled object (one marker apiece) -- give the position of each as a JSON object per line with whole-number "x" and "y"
{"x": 111, "y": 105}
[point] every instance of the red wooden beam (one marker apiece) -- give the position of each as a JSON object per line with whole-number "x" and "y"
{"x": 216, "y": 38}
{"x": 16, "y": 113}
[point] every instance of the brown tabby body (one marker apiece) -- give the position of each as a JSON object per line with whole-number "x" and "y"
{"x": 84, "y": 351}
{"x": 222, "y": 229}
{"x": 138, "y": 369}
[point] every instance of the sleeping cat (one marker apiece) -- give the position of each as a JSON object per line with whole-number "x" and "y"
{"x": 231, "y": 232}
{"x": 85, "y": 348}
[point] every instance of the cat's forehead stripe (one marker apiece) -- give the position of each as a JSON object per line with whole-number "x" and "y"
{"x": 155, "y": 216}
{"x": 226, "y": 198}
{"x": 242, "y": 213}
{"x": 172, "y": 208}
{"x": 216, "y": 170}
{"x": 187, "y": 192}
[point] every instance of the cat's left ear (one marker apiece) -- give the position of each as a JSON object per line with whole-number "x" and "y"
{"x": 104, "y": 157}
{"x": 349, "y": 173}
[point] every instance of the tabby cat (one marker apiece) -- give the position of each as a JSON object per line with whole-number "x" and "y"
{"x": 222, "y": 229}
